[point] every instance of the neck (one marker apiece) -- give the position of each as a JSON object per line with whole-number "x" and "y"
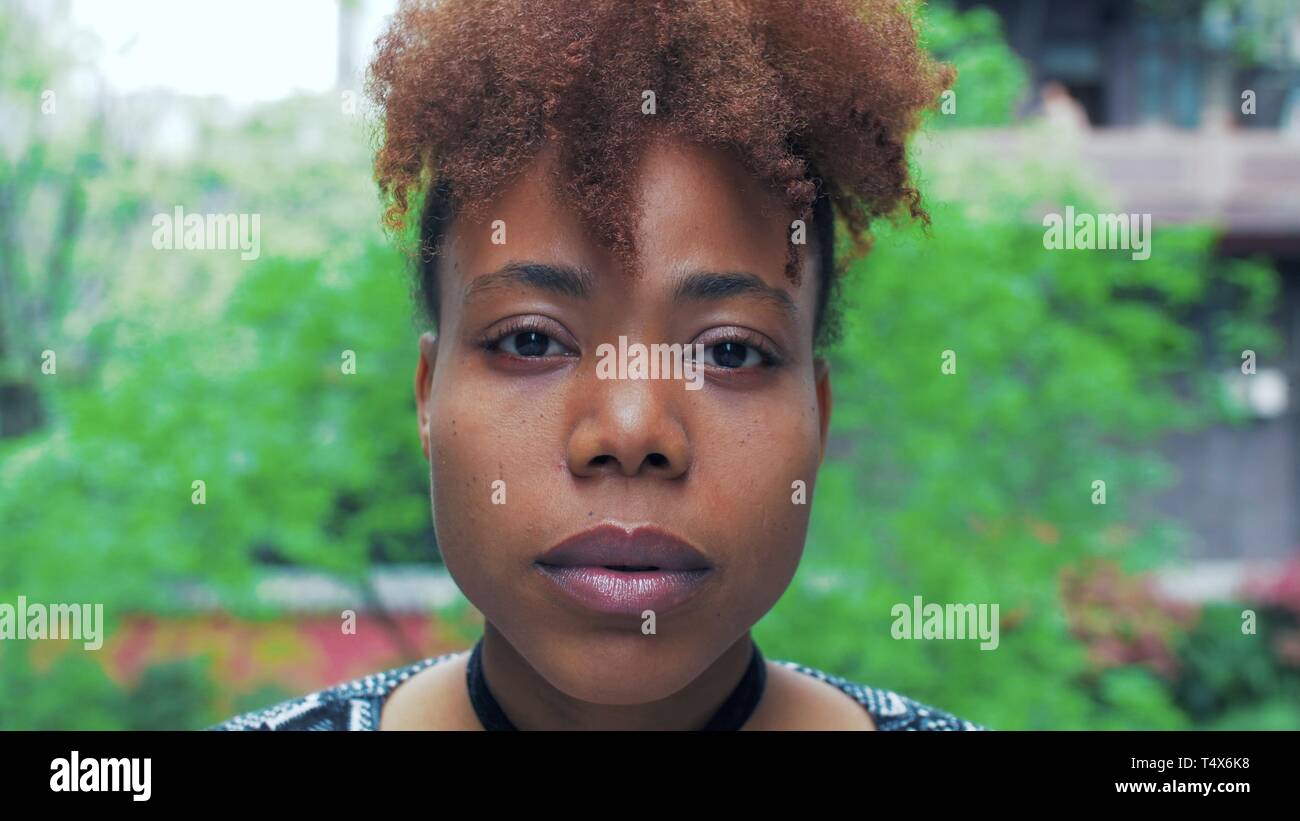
{"x": 532, "y": 703}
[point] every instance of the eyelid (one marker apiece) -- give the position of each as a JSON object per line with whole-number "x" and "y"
{"x": 770, "y": 352}
{"x": 523, "y": 323}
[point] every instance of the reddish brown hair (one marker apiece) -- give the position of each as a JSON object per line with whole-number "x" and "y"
{"x": 816, "y": 97}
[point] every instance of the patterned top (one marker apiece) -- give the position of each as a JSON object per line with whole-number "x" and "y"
{"x": 356, "y": 705}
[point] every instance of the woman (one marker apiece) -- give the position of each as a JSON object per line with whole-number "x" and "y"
{"x": 596, "y": 179}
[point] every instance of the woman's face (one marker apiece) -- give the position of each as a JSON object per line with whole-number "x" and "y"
{"x": 529, "y": 443}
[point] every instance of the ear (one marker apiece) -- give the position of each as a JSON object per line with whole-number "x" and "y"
{"x": 822, "y": 375}
{"x": 423, "y": 383}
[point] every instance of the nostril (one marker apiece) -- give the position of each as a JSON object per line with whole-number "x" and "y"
{"x": 657, "y": 459}
{"x": 603, "y": 459}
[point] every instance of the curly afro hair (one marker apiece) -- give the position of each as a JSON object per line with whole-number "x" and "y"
{"x": 816, "y": 97}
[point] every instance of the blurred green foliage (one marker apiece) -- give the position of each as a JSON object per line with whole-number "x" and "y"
{"x": 1229, "y": 682}
{"x": 990, "y": 79}
{"x": 974, "y": 486}
{"x": 74, "y": 693}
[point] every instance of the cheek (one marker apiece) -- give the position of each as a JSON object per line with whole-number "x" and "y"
{"x": 488, "y": 471}
{"x": 759, "y": 457}
{"x": 468, "y": 480}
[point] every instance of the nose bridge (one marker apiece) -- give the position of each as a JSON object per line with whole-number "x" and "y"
{"x": 630, "y": 426}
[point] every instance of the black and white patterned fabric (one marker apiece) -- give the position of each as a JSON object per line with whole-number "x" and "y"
{"x": 356, "y": 705}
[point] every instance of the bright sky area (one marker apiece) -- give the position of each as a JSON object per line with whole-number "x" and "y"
{"x": 245, "y": 50}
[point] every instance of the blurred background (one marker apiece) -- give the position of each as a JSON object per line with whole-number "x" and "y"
{"x": 1073, "y": 367}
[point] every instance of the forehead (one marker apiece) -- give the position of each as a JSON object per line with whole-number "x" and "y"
{"x": 697, "y": 209}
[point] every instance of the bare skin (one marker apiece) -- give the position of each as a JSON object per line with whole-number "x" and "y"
{"x": 714, "y": 466}
{"x": 436, "y": 699}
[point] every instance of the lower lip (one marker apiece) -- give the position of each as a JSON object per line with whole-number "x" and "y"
{"x": 623, "y": 593}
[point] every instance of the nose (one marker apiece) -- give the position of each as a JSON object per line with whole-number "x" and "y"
{"x": 632, "y": 428}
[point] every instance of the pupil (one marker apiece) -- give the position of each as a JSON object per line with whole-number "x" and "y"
{"x": 531, "y": 343}
{"x": 730, "y": 355}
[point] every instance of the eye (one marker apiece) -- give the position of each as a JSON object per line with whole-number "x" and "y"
{"x": 733, "y": 355}
{"x": 529, "y": 344}
{"x": 739, "y": 349}
{"x": 527, "y": 337}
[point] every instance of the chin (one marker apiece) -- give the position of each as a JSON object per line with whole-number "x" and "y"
{"x": 621, "y": 668}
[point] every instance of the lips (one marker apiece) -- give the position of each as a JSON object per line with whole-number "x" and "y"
{"x": 612, "y": 546}
{"x": 625, "y": 572}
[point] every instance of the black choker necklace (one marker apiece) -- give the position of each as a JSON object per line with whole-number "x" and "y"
{"x": 732, "y": 715}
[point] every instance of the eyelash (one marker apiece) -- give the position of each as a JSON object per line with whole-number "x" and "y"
{"x": 518, "y": 325}
{"x": 738, "y": 336}
{"x": 491, "y": 342}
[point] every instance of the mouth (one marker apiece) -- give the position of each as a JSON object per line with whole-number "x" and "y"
{"x": 619, "y": 572}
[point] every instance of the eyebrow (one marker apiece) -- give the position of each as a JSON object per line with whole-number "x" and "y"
{"x": 713, "y": 285}
{"x": 559, "y": 279}
{"x": 577, "y": 281}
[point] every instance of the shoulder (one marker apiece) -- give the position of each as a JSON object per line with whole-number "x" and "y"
{"x": 351, "y": 705}
{"x": 889, "y": 710}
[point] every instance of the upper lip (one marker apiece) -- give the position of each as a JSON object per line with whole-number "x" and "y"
{"x": 612, "y": 546}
